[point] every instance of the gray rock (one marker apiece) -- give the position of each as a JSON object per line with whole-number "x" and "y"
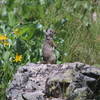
{"x": 69, "y": 81}
{"x": 33, "y": 96}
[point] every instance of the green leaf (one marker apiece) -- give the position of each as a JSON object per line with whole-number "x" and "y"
{"x": 6, "y": 55}
{"x": 11, "y": 18}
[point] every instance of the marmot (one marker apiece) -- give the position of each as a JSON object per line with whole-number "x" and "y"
{"x": 49, "y": 56}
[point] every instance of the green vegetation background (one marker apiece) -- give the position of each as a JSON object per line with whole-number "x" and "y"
{"x": 23, "y": 22}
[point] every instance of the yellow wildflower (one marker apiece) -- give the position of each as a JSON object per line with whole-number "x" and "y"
{"x": 6, "y": 43}
{"x": 17, "y": 31}
{"x": 18, "y": 58}
{"x": 3, "y": 37}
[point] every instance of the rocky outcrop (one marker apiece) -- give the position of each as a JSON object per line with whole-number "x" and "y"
{"x": 69, "y": 81}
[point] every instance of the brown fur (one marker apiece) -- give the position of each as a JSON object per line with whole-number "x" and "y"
{"x": 49, "y": 56}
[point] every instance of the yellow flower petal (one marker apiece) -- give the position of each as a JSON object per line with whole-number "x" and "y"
{"x": 18, "y": 58}
{"x": 6, "y": 43}
{"x": 3, "y": 37}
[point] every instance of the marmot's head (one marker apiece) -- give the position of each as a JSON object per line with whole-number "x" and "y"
{"x": 49, "y": 32}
